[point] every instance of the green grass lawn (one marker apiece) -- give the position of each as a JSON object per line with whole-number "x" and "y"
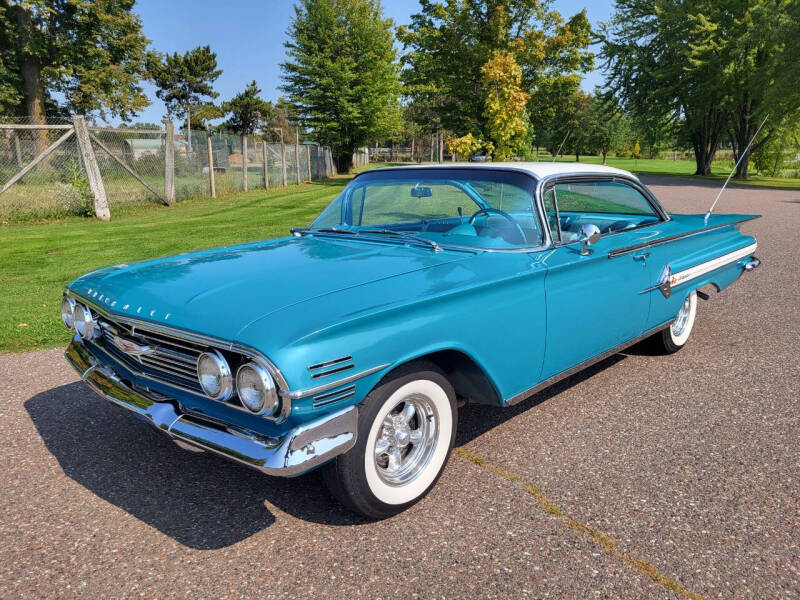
{"x": 38, "y": 259}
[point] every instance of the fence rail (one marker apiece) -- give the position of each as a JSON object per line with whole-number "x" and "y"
{"x": 73, "y": 167}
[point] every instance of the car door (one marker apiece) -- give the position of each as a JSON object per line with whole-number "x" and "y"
{"x": 593, "y": 303}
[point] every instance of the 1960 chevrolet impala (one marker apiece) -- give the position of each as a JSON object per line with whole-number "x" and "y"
{"x": 351, "y": 344}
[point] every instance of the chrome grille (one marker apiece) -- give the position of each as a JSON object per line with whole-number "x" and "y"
{"x": 168, "y": 359}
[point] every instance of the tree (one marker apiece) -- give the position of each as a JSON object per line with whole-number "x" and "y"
{"x": 505, "y": 103}
{"x": 717, "y": 66}
{"x": 645, "y": 46}
{"x": 736, "y": 40}
{"x": 605, "y": 124}
{"x": 248, "y": 111}
{"x": 89, "y": 53}
{"x": 467, "y": 145}
{"x": 185, "y": 81}
{"x": 341, "y": 73}
{"x": 448, "y": 43}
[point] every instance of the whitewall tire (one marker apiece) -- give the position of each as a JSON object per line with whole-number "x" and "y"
{"x": 406, "y": 431}
{"x": 674, "y": 337}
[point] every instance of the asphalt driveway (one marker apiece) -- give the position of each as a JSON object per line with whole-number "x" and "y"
{"x": 643, "y": 477}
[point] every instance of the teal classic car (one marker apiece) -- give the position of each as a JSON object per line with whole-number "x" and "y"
{"x": 351, "y": 344}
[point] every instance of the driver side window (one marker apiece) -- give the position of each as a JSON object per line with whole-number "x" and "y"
{"x": 612, "y": 206}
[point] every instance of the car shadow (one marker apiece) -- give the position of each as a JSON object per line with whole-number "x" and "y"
{"x": 198, "y": 499}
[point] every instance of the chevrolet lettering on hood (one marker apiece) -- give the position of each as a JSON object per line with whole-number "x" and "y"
{"x": 350, "y": 344}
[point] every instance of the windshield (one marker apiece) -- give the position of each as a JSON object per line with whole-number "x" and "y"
{"x": 479, "y": 208}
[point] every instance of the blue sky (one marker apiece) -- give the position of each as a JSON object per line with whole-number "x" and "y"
{"x": 248, "y": 37}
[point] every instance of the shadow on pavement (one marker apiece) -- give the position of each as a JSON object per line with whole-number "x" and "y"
{"x": 200, "y": 500}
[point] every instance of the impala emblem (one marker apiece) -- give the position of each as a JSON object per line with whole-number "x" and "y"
{"x": 132, "y": 348}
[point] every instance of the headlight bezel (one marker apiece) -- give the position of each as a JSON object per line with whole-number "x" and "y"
{"x": 68, "y": 312}
{"x": 271, "y": 402}
{"x": 225, "y": 376}
{"x": 86, "y": 326}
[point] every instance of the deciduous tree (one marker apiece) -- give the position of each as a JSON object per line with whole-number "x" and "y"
{"x": 506, "y": 119}
{"x": 448, "y": 43}
{"x": 341, "y": 73}
{"x": 90, "y": 53}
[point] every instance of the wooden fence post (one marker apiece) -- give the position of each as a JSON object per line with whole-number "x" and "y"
{"x": 92, "y": 170}
{"x": 169, "y": 162}
{"x": 308, "y": 161}
{"x": 283, "y": 159}
{"x": 244, "y": 163}
{"x": 211, "y": 181}
{"x": 17, "y": 150}
{"x": 433, "y": 142}
{"x": 297, "y": 155}
{"x": 266, "y": 164}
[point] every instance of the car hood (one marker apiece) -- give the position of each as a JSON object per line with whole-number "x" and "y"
{"x": 219, "y": 292}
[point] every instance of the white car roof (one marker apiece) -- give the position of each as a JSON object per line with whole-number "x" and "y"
{"x": 537, "y": 169}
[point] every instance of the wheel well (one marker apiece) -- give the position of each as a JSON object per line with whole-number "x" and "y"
{"x": 469, "y": 380}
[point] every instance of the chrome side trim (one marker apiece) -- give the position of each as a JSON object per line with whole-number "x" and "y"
{"x": 668, "y": 280}
{"x": 581, "y": 366}
{"x": 332, "y": 384}
{"x": 699, "y": 270}
{"x": 297, "y": 451}
{"x": 665, "y": 240}
{"x": 330, "y": 363}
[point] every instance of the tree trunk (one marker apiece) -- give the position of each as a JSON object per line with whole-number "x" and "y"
{"x": 604, "y": 156}
{"x": 31, "y": 71}
{"x": 344, "y": 161}
{"x": 705, "y": 138}
{"x": 577, "y": 156}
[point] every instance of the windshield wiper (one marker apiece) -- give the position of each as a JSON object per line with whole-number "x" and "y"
{"x": 308, "y": 230}
{"x": 404, "y": 236}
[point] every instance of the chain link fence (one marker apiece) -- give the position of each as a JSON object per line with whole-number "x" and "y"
{"x": 45, "y": 176}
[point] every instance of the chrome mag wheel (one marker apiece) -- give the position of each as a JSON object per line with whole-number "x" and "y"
{"x": 684, "y": 317}
{"x": 407, "y": 440}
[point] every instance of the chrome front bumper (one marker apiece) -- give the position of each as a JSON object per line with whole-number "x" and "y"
{"x": 299, "y": 450}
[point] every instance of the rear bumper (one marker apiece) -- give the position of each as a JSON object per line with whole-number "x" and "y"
{"x": 299, "y": 450}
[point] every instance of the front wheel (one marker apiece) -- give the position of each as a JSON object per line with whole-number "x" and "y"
{"x": 406, "y": 430}
{"x": 674, "y": 337}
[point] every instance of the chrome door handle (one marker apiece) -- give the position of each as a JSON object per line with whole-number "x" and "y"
{"x": 642, "y": 257}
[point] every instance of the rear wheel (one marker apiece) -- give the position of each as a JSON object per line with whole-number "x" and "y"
{"x": 406, "y": 432}
{"x": 674, "y": 337}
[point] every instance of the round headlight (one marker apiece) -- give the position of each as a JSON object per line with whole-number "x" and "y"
{"x": 256, "y": 389}
{"x": 68, "y": 311}
{"x": 84, "y": 322}
{"x": 214, "y": 375}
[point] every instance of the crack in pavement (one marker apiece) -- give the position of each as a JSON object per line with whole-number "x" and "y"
{"x": 608, "y": 545}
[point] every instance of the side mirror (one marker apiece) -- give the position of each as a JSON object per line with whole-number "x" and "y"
{"x": 590, "y": 233}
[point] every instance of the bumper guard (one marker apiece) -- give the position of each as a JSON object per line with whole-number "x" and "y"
{"x": 299, "y": 450}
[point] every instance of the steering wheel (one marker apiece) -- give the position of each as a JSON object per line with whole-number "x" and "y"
{"x": 495, "y": 211}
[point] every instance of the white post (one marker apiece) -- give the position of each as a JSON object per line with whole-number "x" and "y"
{"x": 92, "y": 170}
{"x": 244, "y": 163}
{"x": 266, "y": 164}
{"x": 211, "y": 165}
{"x": 169, "y": 162}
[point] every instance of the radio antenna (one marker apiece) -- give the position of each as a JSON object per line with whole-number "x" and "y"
{"x": 741, "y": 156}
{"x": 562, "y": 145}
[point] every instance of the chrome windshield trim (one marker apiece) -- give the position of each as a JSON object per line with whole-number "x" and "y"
{"x": 188, "y": 336}
{"x": 333, "y": 384}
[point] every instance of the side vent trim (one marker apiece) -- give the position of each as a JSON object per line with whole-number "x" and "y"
{"x": 335, "y": 396}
